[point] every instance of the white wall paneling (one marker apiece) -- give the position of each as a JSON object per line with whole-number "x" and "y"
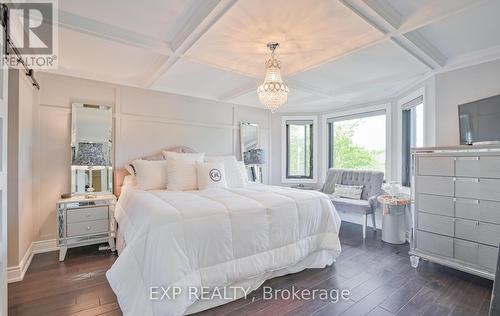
{"x": 145, "y": 122}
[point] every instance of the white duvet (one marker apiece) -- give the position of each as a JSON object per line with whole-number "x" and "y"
{"x": 216, "y": 238}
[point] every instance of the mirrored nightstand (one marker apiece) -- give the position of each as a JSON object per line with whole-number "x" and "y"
{"x": 83, "y": 221}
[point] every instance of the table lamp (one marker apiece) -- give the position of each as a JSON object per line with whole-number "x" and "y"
{"x": 90, "y": 155}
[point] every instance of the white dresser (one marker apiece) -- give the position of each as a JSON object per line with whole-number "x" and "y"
{"x": 83, "y": 221}
{"x": 457, "y": 207}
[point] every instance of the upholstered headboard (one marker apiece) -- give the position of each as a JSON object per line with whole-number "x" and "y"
{"x": 120, "y": 174}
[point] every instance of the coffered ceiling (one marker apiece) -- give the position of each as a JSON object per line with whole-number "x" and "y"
{"x": 334, "y": 53}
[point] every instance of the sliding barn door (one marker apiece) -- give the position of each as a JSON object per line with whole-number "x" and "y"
{"x": 3, "y": 178}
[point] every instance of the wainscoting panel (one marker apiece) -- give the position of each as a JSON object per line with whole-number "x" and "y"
{"x": 145, "y": 122}
{"x": 155, "y": 136}
{"x": 174, "y": 107}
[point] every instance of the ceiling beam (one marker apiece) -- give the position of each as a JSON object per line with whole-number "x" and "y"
{"x": 380, "y": 12}
{"x": 435, "y": 12}
{"x": 423, "y": 44}
{"x": 386, "y": 11}
{"x": 201, "y": 21}
{"x": 235, "y": 93}
{"x": 98, "y": 29}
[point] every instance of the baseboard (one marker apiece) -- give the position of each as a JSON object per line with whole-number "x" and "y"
{"x": 16, "y": 273}
{"x": 42, "y": 246}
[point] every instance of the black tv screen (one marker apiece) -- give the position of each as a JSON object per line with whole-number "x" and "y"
{"x": 480, "y": 121}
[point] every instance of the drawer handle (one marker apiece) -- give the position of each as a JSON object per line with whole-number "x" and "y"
{"x": 88, "y": 227}
{"x": 87, "y": 215}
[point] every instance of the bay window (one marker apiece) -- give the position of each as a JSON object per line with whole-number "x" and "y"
{"x": 357, "y": 141}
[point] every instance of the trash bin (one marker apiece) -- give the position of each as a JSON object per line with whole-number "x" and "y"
{"x": 394, "y": 226}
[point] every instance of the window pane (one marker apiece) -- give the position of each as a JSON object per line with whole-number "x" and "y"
{"x": 299, "y": 150}
{"x": 359, "y": 143}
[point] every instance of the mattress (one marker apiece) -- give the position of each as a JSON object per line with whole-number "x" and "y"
{"x": 216, "y": 238}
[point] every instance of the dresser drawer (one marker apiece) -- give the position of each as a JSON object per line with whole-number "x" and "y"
{"x": 478, "y": 210}
{"x": 437, "y": 244}
{"x": 87, "y": 214}
{"x": 483, "y": 167}
{"x": 436, "y": 166}
{"x": 465, "y": 250}
{"x": 86, "y": 228}
{"x": 489, "y": 189}
{"x": 478, "y": 188}
{"x": 480, "y": 232}
{"x": 435, "y": 185}
{"x": 467, "y": 188}
{"x": 487, "y": 257}
{"x": 436, "y": 224}
{"x": 434, "y": 204}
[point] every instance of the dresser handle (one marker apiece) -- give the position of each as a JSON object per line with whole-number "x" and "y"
{"x": 88, "y": 227}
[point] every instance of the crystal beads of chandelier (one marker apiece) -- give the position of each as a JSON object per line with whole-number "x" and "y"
{"x": 273, "y": 92}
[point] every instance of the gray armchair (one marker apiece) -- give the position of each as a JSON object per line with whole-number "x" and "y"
{"x": 372, "y": 187}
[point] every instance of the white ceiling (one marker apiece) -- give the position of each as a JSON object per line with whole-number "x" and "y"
{"x": 333, "y": 53}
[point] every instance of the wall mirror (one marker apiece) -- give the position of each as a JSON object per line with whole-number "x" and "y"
{"x": 251, "y": 153}
{"x": 249, "y": 137}
{"x": 91, "y": 149}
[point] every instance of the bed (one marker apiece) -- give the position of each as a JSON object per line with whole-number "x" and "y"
{"x": 218, "y": 239}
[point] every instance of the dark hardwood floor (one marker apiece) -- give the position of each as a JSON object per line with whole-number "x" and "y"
{"x": 378, "y": 276}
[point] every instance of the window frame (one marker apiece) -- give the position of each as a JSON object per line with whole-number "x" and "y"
{"x": 409, "y": 135}
{"x": 284, "y": 151}
{"x": 331, "y": 123}
{"x": 428, "y": 128}
{"x": 358, "y": 112}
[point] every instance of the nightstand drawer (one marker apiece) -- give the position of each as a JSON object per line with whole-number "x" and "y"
{"x": 86, "y": 228}
{"x": 87, "y": 214}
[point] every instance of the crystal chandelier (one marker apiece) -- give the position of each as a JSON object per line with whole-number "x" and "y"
{"x": 273, "y": 92}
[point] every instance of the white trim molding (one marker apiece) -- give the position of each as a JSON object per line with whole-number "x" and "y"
{"x": 16, "y": 273}
{"x": 367, "y": 109}
{"x": 315, "y": 130}
{"x": 399, "y": 145}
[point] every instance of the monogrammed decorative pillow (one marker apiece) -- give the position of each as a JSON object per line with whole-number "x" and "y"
{"x": 348, "y": 191}
{"x": 211, "y": 175}
{"x": 234, "y": 176}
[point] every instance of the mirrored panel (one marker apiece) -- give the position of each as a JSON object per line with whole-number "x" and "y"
{"x": 91, "y": 149}
{"x": 251, "y": 153}
{"x": 249, "y": 137}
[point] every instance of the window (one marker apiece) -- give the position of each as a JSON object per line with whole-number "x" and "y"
{"x": 358, "y": 141}
{"x": 299, "y": 149}
{"x": 413, "y": 134}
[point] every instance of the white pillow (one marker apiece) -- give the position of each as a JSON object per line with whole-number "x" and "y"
{"x": 348, "y": 191}
{"x": 149, "y": 175}
{"x": 181, "y": 170}
{"x": 243, "y": 171}
{"x": 211, "y": 175}
{"x": 234, "y": 177}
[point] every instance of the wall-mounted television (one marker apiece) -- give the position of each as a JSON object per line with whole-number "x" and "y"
{"x": 480, "y": 121}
